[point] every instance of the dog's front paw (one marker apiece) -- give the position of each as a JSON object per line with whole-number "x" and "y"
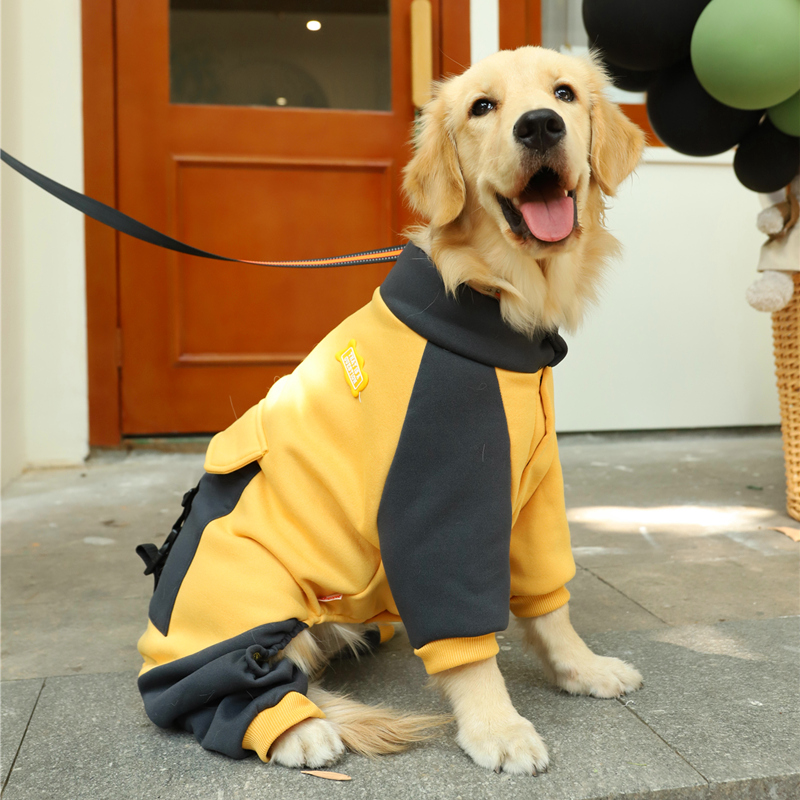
{"x": 510, "y": 744}
{"x": 598, "y": 676}
{"x": 310, "y": 743}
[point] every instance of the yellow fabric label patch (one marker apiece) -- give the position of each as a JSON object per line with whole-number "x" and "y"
{"x": 353, "y": 366}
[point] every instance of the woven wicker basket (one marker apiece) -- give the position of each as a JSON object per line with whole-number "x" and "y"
{"x": 786, "y": 337}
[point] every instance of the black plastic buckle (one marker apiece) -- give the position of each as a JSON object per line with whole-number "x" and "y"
{"x": 155, "y": 557}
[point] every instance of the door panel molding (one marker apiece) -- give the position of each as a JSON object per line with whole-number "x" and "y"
{"x": 239, "y": 359}
{"x": 377, "y": 174}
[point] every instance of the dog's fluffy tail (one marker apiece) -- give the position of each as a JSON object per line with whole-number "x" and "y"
{"x": 368, "y": 730}
{"x": 373, "y": 730}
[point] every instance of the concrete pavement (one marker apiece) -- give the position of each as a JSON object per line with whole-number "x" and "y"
{"x": 678, "y": 573}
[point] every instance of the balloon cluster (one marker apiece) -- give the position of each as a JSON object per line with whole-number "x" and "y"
{"x": 718, "y": 73}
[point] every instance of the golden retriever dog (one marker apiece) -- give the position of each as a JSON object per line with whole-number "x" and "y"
{"x": 513, "y": 162}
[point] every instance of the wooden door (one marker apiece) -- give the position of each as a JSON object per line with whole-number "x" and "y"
{"x": 240, "y": 133}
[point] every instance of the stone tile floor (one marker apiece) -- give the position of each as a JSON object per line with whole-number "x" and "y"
{"x": 678, "y": 573}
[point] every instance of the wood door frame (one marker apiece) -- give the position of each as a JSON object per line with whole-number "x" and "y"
{"x": 100, "y": 181}
{"x": 102, "y": 261}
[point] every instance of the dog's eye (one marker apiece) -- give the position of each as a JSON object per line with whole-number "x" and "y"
{"x": 482, "y": 106}
{"x": 564, "y": 93}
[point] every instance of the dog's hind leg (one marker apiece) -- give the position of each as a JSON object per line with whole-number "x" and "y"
{"x": 569, "y": 662}
{"x": 348, "y": 724}
{"x": 313, "y": 742}
{"x": 368, "y": 730}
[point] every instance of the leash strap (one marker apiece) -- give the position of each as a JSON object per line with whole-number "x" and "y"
{"x": 124, "y": 224}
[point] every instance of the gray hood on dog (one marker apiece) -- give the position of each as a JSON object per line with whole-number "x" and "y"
{"x": 468, "y": 323}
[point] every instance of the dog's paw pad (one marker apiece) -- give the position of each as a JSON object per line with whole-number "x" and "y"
{"x": 310, "y": 743}
{"x": 513, "y": 747}
{"x": 600, "y": 677}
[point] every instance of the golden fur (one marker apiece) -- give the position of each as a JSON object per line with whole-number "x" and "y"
{"x": 462, "y": 163}
{"x": 368, "y": 730}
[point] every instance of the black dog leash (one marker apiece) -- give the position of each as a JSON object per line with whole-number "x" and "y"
{"x": 124, "y": 224}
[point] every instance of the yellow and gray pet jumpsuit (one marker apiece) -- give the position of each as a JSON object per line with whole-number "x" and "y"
{"x": 407, "y": 470}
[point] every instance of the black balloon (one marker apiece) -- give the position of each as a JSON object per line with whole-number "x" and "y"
{"x": 642, "y": 34}
{"x": 630, "y": 80}
{"x": 688, "y": 119}
{"x": 767, "y": 159}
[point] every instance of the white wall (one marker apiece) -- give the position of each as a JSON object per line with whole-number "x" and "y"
{"x": 44, "y": 382}
{"x": 673, "y": 344}
{"x": 484, "y": 28}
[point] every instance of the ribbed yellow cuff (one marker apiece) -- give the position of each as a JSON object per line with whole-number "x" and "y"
{"x": 448, "y": 653}
{"x": 272, "y": 722}
{"x": 386, "y": 631}
{"x": 542, "y": 604}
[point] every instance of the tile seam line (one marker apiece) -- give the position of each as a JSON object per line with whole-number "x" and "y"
{"x": 22, "y": 740}
{"x": 656, "y": 733}
{"x": 30, "y": 603}
{"x": 619, "y": 591}
{"x": 130, "y": 671}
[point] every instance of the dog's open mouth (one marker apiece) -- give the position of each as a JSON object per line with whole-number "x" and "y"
{"x": 544, "y": 210}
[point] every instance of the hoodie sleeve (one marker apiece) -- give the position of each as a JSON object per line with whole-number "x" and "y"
{"x": 233, "y": 696}
{"x": 541, "y": 555}
{"x": 444, "y": 519}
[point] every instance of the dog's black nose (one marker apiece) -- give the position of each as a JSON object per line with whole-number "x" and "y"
{"x": 540, "y": 129}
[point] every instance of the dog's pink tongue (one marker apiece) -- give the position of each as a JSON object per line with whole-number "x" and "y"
{"x": 549, "y": 218}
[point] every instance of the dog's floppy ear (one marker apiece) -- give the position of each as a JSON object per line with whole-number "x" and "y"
{"x": 616, "y": 143}
{"x": 433, "y": 181}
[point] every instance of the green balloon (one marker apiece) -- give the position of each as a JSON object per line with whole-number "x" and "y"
{"x": 786, "y": 116}
{"x": 746, "y": 53}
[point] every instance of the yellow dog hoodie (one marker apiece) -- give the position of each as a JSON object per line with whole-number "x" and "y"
{"x": 407, "y": 470}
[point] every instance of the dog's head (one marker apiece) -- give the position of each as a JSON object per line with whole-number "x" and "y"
{"x": 514, "y": 157}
